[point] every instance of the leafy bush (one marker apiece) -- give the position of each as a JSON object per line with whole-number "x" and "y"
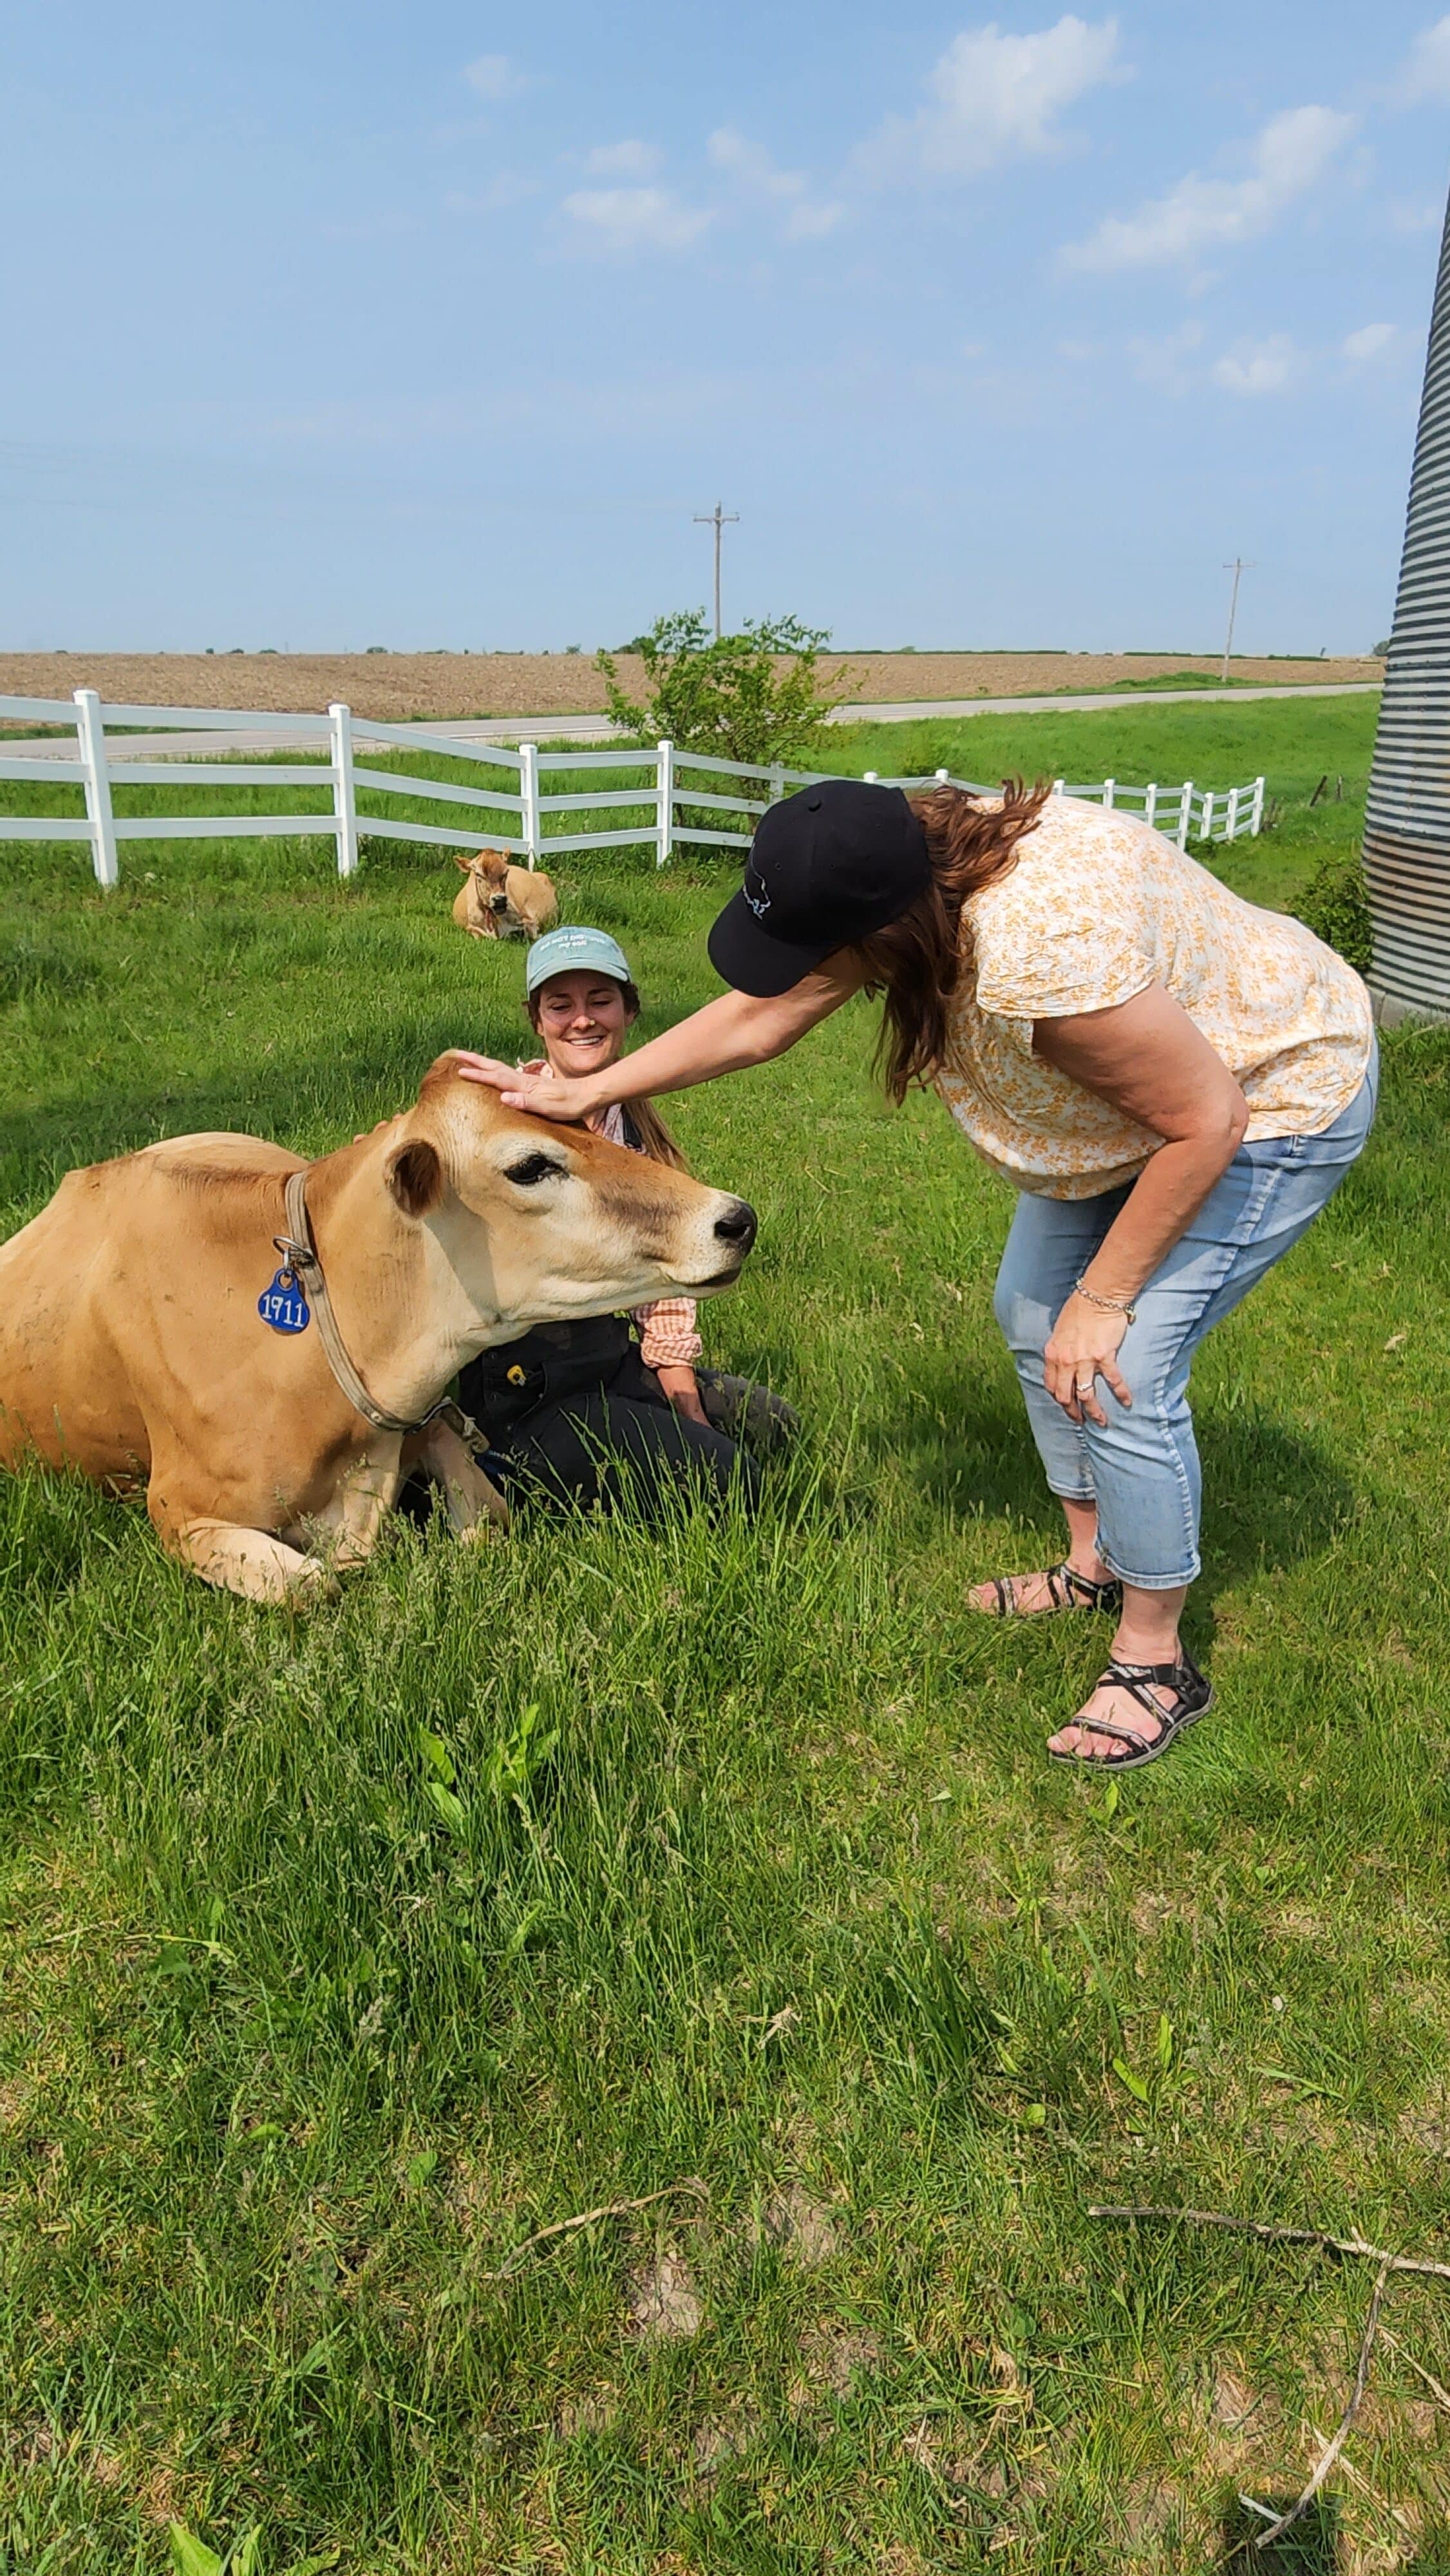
{"x": 752, "y": 696}
{"x": 1335, "y": 905}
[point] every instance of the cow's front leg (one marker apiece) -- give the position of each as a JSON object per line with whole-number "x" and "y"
{"x": 252, "y": 1562}
{"x": 472, "y": 1503}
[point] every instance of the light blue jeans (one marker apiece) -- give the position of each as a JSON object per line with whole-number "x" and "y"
{"x": 1141, "y": 1468}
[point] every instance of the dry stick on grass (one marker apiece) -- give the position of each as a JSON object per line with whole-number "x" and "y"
{"x": 1352, "y": 2245}
{"x": 1336, "y": 2443}
{"x": 591, "y": 2217}
{"x": 1440, "y": 2395}
{"x": 1287, "y": 2236}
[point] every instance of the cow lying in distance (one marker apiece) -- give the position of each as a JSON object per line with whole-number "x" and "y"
{"x": 502, "y": 902}
{"x": 132, "y": 1346}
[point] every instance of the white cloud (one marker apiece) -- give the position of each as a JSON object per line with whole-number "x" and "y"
{"x": 992, "y": 98}
{"x": 494, "y": 77}
{"x": 1373, "y": 341}
{"x": 749, "y": 165}
{"x": 1257, "y": 367}
{"x": 1424, "y": 74}
{"x": 629, "y": 219}
{"x": 629, "y": 160}
{"x": 1286, "y": 158}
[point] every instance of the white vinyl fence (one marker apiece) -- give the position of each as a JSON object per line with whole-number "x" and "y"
{"x": 673, "y": 787}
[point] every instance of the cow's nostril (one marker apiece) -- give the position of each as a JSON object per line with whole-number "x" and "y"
{"x": 738, "y": 1225}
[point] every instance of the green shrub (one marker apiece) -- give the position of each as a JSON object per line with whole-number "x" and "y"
{"x": 1335, "y": 905}
{"x": 749, "y": 697}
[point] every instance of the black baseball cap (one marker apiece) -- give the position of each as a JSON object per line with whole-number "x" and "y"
{"x": 827, "y": 867}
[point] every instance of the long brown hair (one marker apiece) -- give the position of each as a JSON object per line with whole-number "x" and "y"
{"x": 654, "y": 1136}
{"x": 917, "y": 961}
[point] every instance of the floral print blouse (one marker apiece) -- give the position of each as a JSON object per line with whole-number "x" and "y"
{"x": 1096, "y": 907}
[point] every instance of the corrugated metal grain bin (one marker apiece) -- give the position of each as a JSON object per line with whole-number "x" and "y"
{"x": 1407, "y": 812}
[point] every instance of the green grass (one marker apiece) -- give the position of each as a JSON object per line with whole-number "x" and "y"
{"x": 294, "y": 2057}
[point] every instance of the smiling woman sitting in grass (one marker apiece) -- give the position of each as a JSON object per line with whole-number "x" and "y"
{"x": 1174, "y": 1081}
{"x": 611, "y": 1407}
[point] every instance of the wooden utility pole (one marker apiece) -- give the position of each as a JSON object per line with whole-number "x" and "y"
{"x": 717, "y": 519}
{"x": 1237, "y": 567}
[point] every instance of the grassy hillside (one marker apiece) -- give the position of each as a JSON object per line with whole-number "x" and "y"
{"x": 774, "y": 1907}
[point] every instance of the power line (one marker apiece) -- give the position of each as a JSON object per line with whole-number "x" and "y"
{"x": 1237, "y": 567}
{"x": 717, "y": 519}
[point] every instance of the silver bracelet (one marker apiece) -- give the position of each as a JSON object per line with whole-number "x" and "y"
{"x": 1109, "y": 1305}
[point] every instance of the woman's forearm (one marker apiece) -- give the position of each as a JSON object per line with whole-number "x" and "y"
{"x": 1162, "y": 1203}
{"x": 727, "y": 1036}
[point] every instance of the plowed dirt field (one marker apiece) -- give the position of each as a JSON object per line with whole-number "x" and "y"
{"x": 396, "y": 686}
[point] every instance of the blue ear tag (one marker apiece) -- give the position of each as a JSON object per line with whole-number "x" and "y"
{"x": 283, "y": 1305}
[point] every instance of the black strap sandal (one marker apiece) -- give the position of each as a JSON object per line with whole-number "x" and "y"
{"x": 1066, "y": 1590}
{"x": 1193, "y": 1697}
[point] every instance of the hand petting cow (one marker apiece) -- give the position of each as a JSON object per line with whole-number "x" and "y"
{"x": 149, "y": 1335}
{"x": 502, "y": 902}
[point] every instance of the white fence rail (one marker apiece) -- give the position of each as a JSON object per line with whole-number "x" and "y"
{"x": 666, "y": 792}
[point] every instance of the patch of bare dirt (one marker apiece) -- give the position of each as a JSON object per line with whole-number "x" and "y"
{"x": 395, "y": 687}
{"x": 834, "y": 2358}
{"x": 663, "y": 2299}
{"x": 799, "y": 2226}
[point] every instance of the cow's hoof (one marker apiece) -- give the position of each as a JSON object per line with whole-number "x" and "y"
{"x": 481, "y": 1531}
{"x": 308, "y": 1583}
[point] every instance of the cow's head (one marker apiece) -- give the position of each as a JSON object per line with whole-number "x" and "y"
{"x": 540, "y": 1223}
{"x": 489, "y": 870}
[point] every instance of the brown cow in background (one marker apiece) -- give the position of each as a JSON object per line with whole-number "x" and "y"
{"x": 503, "y": 902}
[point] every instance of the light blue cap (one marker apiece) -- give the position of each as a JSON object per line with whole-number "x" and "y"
{"x": 560, "y": 952}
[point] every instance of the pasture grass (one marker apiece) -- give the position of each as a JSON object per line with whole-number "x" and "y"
{"x": 747, "y": 1871}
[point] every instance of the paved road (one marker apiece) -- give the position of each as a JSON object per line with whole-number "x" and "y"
{"x": 592, "y": 728}
{"x": 1076, "y": 706}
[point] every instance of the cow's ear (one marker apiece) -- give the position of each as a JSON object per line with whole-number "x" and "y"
{"x": 415, "y": 1177}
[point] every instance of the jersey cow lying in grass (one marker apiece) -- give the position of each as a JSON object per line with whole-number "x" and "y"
{"x": 496, "y": 901}
{"x": 146, "y": 1331}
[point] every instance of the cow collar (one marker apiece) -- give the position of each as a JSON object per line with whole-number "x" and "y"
{"x": 300, "y": 1254}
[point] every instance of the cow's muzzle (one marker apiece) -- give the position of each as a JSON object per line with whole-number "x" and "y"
{"x": 498, "y": 903}
{"x": 735, "y": 1231}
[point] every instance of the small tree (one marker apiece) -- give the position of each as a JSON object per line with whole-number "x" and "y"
{"x": 751, "y": 697}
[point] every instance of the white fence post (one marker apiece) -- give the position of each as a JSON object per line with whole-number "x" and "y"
{"x": 1185, "y": 812}
{"x": 91, "y": 736}
{"x": 1205, "y": 817}
{"x": 1233, "y": 813}
{"x": 1110, "y": 789}
{"x": 1150, "y": 803}
{"x": 942, "y": 777}
{"x": 529, "y": 792}
{"x": 664, "y": 801}
{"x": 775, "y": 781}
{"x": 872, "y": 777}
{"x": 344, "y": 803}
{"x": 1256, "y": 817}
{"x": 1058, "y": 785}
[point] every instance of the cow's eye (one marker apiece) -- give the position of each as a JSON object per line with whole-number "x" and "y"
{"x": 533, "y": 1169}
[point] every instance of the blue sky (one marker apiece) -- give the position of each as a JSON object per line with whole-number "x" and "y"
{"x": 329, "y": 327}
